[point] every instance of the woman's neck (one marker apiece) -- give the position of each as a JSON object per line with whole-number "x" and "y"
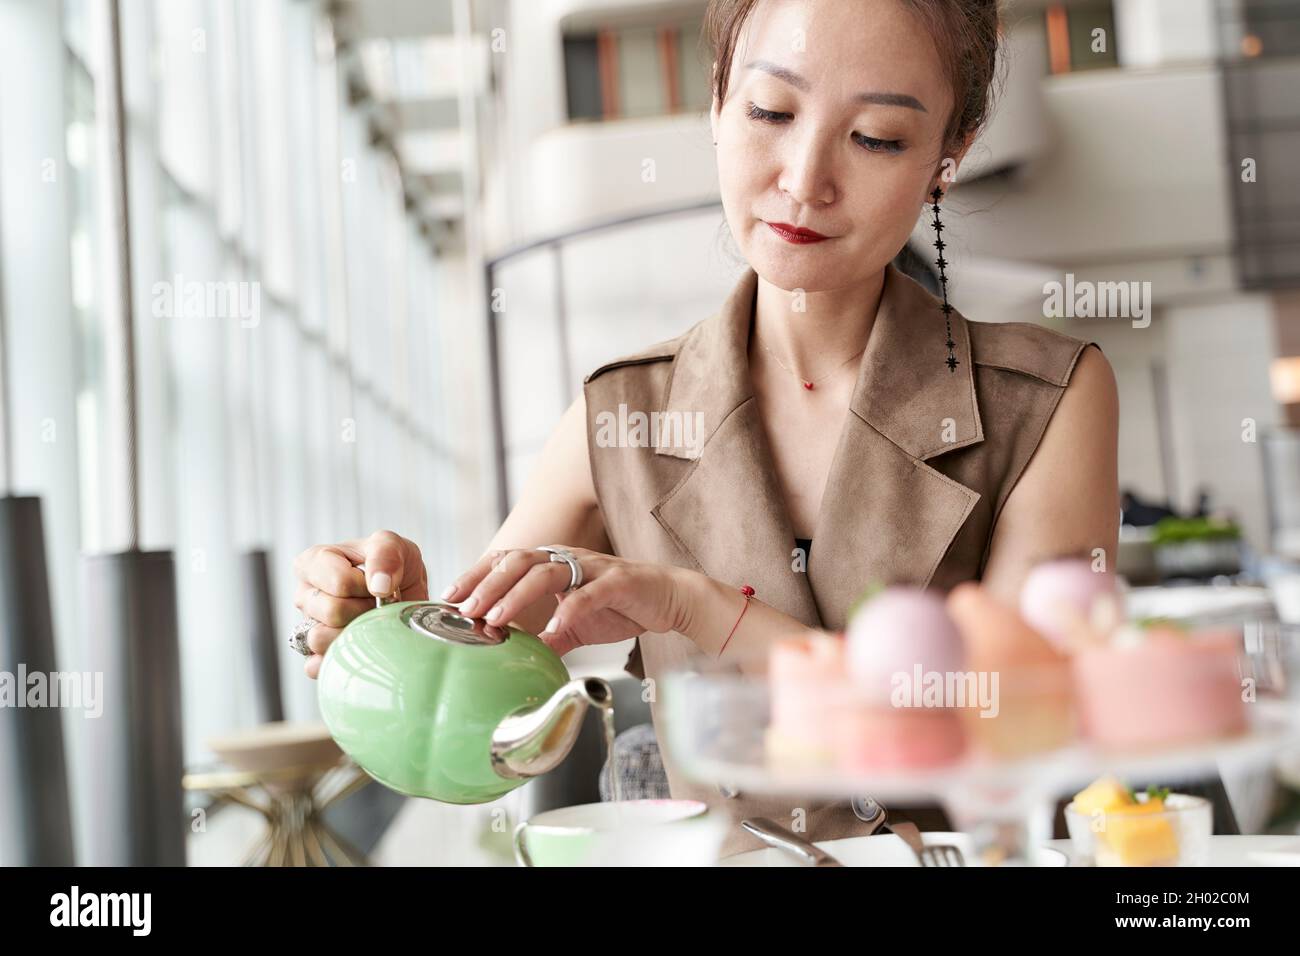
{"x": 817, "y": 335}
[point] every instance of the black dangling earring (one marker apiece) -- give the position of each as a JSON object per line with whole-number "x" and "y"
{"x": 942, "y": 263}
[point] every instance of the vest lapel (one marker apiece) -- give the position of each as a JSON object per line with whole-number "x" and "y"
{"x": 885, "y": 514}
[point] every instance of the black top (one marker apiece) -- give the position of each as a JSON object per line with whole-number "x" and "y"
{"x": 805, "y": 544}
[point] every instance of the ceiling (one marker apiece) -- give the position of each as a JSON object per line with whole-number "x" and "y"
{"x": 406, "y": 68}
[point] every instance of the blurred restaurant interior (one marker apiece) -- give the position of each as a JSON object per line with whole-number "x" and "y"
{"x": 280, "y": 272}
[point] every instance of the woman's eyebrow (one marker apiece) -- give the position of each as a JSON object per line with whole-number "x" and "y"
{"x": 799, "y": 83}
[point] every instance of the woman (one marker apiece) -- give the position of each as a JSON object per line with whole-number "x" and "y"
{"x": 845, "y": 416}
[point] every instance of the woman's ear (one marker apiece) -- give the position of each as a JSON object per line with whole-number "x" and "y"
{"x": 946, "y": 174}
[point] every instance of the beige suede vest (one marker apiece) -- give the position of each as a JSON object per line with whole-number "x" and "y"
{"x": 924, "y": 463}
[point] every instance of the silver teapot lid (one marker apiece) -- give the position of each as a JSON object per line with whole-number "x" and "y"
{"x": 444, "y": 621}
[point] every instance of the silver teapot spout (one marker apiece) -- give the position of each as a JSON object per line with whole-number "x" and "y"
{"x": 531, "y": 742}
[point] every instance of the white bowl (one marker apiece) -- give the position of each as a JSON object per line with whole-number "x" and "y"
{"x": 1191, "y": 820}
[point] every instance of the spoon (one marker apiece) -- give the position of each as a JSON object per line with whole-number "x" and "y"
{"x": 773, "y": 834}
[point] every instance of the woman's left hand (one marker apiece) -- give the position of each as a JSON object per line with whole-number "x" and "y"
{"x": 617, "y": 600}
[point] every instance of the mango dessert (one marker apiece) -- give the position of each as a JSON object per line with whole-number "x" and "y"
{"x": 1102, "y": 795}
{"x": 1138, "y": 834}
{"x": 1116, "y": 827}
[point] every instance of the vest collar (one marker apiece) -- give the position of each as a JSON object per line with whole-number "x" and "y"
{"x": 886, "y": 514}
{"x": 904, "y": 388}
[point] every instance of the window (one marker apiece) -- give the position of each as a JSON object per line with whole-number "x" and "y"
{"x": 1260, "y": 40}
{"x": 640, "y": 70}
{"x": 280, "y": 400}
{"x": 1081, "y": 37}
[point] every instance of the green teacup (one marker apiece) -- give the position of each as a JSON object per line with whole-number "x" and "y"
{"x": 630, "y": 832}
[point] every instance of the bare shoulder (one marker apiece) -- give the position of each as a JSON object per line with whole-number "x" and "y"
{"x": 1091, "y": 398}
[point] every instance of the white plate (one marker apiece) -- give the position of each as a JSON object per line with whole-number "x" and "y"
{"x": 883, "y": 849}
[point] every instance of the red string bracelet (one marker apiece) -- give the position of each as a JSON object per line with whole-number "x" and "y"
{"x": 749, "y": 593}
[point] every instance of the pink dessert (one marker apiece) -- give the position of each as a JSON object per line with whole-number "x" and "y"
{"x": 856, "y": 702}
{"x": 805, "y": 676}
{"x": 1160, "y": 686}
{"x": 1031, "y": 707}
{"x": 1059, "y": 598}
{"x": 895, "y": 632}
{"x": 876, "y": 738}
{"x": 901, "y": 647}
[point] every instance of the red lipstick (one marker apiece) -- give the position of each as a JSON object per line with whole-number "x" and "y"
{"x": 790, "y": 234}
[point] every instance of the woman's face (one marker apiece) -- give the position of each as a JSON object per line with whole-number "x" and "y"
{"x": 833, "y": 122}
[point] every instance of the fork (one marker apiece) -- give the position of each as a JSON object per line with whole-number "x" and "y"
{"x": 929, "y": 854}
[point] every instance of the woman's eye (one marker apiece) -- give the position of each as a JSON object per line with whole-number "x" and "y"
{"x": 871, "y": 144}
{"x": 766, "y": 116}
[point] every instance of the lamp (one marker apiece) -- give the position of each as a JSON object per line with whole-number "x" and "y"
{"x": 1284, "y": 379}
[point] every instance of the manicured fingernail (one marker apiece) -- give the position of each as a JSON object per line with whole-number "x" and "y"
{"x": 451, "y": 589}
{"x": 493, "y": 614}
{"x": 552, "y": 625}
{"x": 469, "y": 605}
{"x": 381, "y": 583}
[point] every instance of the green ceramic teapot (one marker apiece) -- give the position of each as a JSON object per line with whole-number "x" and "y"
{"x": 435, "y": 704}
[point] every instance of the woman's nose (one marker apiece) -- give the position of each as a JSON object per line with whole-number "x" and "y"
{"x": 807, "y": 175}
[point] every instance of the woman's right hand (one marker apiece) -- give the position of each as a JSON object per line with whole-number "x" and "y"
{"x": 333, "y": 588}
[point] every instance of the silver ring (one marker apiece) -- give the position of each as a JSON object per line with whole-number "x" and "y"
{"x": 298, "y": 639}
{"x": 559, "y": 553}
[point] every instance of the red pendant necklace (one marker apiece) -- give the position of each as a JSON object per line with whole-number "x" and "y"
{"x": 810, "y": 385}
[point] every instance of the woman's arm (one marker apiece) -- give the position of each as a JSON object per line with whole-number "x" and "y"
{"x": 558, "y": 505}
{"x": 619, "y": 598}
{"x": 1067, "y": 500}
{"x": 711, "y": 612}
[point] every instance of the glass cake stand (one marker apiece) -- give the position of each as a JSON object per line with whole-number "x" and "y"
{"x": 717, "y": 720}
